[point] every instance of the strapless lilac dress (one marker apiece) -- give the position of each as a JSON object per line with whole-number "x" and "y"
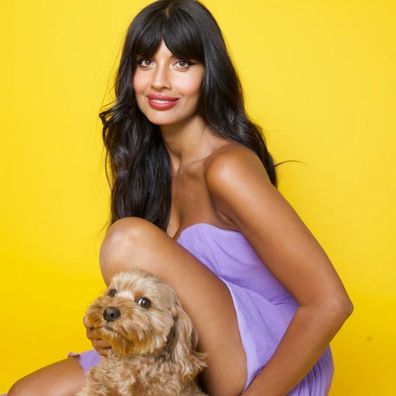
{"x": 263, "y": 306}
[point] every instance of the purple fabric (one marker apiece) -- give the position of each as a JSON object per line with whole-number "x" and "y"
{"x": 88, "y": 359}
{"x": 263, "y": 306}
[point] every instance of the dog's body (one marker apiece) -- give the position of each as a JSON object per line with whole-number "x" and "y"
{"x": 136, "y": 376}
{"x": 152, "y": 338}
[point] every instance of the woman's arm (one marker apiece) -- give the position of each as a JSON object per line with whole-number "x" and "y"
{"x": 241, "y": 191}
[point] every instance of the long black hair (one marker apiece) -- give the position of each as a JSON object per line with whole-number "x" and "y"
{"x": 139, "y": 162}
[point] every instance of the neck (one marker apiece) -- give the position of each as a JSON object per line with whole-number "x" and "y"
{"x": 187, "y": 142}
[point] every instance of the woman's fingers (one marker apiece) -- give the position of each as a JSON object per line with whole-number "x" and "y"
{"x": 101, "y": 346}
{"x": 92, "y": 333}
{"x": 86, "y": 322}
{"x": 98, "y": 343}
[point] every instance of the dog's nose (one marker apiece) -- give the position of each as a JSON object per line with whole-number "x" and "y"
{"x": 110, "y": 314}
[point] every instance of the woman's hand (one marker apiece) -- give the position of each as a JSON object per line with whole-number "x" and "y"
{"x": 101, "y": 346}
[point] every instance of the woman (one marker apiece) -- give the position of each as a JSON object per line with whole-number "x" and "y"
{"x": 194, "y": 201}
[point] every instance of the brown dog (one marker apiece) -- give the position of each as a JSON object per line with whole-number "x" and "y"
{"x": 152, "y": 339}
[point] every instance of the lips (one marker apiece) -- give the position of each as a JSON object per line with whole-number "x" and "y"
{"x": 161, "y": 102}
{"x": 161, "y": 97}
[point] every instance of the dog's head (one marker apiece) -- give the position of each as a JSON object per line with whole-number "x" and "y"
{"x": 141, "y": 315}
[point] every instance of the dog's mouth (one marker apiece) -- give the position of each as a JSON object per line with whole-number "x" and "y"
{"x": 106, "y": 328}
{"x": 110, "y": 329}
{"x": 121, "y": 344}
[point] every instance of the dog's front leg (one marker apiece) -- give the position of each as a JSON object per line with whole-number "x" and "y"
{"x": 93, "y": 390}
{"x": 86, "y": 390}
{"x": 97, "y": 383}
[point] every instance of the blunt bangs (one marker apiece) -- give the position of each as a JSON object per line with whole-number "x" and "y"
{"x": 179, "y": 31}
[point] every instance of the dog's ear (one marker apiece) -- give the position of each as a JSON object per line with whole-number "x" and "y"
{"x": 182, "y": 343}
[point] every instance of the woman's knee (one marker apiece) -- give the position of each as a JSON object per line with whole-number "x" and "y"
{"x": 125, "y": 229}
{"x": 18, "y": 389}
{"x": 124, "y": 242}
{"x": 24, "y": 388}
{"x": 63, "y": 378}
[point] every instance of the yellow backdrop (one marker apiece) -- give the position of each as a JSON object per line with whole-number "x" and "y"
{"x": 319, "y": 76}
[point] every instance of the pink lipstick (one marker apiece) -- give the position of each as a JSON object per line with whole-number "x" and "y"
{"x": 161, "y": 102}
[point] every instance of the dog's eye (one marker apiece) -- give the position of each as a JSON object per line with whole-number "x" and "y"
{"x": 144, "y": 302}
{"x": 112, "y": 292}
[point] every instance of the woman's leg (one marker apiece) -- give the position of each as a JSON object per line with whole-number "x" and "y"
{"x": 64, "y": 378}
{"x": 134, "y": 242}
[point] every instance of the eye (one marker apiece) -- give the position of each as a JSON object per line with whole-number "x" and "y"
{"x": 142, "y": 62}
{"x": 112, "y": 292}
{"x": 144, "y": 302}
{"x": 184, "y": 64}
{"x": 187, "y": 63}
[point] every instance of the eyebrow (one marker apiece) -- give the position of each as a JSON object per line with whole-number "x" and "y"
{"x": 172, "y": 56}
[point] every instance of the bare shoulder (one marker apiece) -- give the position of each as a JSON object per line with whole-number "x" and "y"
{"x": 241, "y": 191}
{"x": 236, "y": 180}
{"x": 233, "y": 164}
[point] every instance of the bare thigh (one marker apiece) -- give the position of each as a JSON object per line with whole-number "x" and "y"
{"x": 63, "y": 378}
{"x": 135, "y": 242}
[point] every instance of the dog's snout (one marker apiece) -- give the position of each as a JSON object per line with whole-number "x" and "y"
{"x": 110, "y": 314}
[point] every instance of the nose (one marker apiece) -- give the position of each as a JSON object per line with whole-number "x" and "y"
{"x": 110, "y": 314}
{"x": 161, "y": 76}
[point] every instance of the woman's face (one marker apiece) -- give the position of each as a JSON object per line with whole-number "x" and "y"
{"x": 172, "y": 77}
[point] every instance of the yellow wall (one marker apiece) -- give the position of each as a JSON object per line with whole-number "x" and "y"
{"x": 319, "y": 76}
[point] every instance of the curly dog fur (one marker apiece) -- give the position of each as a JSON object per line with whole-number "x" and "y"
{"x": 152, "y": 339}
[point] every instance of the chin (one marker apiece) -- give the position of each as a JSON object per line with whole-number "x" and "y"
{"x": 167, "y": 117}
